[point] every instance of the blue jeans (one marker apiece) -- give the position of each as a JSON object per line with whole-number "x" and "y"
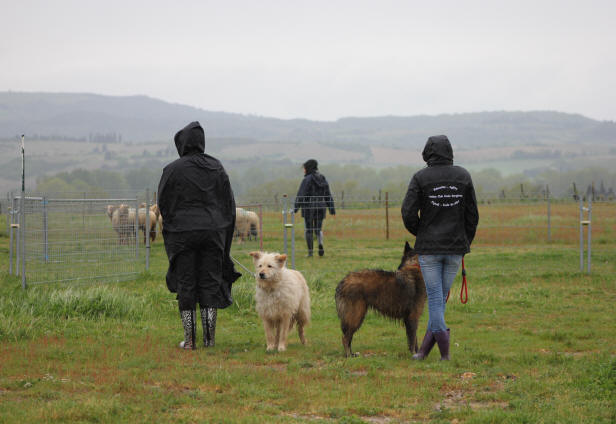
{"x": 438, "y": 272}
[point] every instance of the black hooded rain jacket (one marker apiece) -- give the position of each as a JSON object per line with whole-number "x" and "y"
{"x": 440, "y": 207}
{"x": 195, "y": 196}
{"x": 314, "y": 196}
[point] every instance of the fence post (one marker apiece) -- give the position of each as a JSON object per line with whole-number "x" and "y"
{"x": 581, "y": 234}
{"x": 547, "y": 194}
{"x": 18, "y": 239}
{"x": 45, "y": 231}
{"x": 8, "y": 209}
{"x": 136, "y": 223}
{"x": 22, "y": 232}
{"x": 584, "y": 223}
{"x": 292, "y": 239}
{"x": 11, "y": 238}
{"x": 589, "y": 231}
{"x": 261, "y": 226}
{"x": 147, "y": 228}
{"x": 386, "y": 215}
{"x": 284, "y": 222}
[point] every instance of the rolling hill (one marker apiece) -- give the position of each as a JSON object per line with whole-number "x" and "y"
{"x": 144, "y": 119}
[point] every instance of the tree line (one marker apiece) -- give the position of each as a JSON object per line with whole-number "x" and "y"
{"x": 268, "y": 181}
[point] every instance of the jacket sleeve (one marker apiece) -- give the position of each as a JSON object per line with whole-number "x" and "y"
{"x": 230, "y": 275}
{"x": 410, "y": 206}
{"x": 162, "y": 195}
{"x": 329, "y": 200}
{"x": 471, "y": 214}
{"x": 300, "y": 198}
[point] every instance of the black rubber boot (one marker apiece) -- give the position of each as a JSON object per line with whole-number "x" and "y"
{"x": 426, "y": 346}
{"x": 188, "y": 322}
{"x": 208, "y": 321}
{"x": 442, "y": 339}
{"x": 309, "y": 243}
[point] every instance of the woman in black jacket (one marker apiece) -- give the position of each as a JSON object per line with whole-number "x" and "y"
{"x": 314, "y": 197}
{"x": 440, "y": 209}
{"x": 198, "y": 209}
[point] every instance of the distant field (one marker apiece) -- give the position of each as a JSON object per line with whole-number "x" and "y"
{"x": 536, "y": 342}
{"x": 44, "y": 158}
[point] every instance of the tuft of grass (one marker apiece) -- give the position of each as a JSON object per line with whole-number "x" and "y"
{"x": 26, "y": 314}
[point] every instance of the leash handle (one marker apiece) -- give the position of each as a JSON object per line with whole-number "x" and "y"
{"x": 463, "y": 289}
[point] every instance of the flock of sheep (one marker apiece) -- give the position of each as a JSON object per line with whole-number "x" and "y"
{"x": 123, "y": 222}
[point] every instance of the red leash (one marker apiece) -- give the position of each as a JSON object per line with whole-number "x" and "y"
{"x": 464, "y": 288}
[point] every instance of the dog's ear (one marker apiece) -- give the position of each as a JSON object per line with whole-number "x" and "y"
{"x": 281, "y": 259}
{"x": 255, "y": 255}
{"x": 407, "y": 247}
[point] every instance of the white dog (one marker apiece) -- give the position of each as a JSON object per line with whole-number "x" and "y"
{"x": 282, "y": 299}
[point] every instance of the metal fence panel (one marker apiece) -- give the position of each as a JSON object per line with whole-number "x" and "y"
{"x": 74, "y": 240}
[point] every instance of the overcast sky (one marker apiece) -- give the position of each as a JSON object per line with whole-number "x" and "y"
{"x": 320, "y": 59}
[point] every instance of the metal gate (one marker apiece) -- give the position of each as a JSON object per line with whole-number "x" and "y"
{"x": 76, "y": 239}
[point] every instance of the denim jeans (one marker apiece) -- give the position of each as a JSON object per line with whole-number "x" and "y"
{"x": 438, "y": 272}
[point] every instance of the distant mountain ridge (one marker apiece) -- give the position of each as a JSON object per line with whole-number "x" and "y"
{"x": 142, "y": 118}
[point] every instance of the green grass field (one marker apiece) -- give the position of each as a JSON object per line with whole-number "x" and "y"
{"x": 536, "y": 343}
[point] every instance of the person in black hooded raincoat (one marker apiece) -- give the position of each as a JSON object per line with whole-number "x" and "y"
{"x": 198, "y": 209}
{"x": 314, "y": 197}
{"x": 440, "y": 209}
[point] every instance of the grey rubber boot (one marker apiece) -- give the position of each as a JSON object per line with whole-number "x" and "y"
{"x": 188, "y": 322}
{"x": 208, "y": 321}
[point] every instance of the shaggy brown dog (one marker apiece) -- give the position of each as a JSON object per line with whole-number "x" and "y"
{"x": 400, "y": 295}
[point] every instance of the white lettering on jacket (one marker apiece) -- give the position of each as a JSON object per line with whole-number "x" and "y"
{"x": 446, "y": 196}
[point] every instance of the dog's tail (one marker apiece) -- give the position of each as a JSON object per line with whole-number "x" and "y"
{"x": 345, "y": 292}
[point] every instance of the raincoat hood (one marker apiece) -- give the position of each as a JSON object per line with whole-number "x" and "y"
{"x": 190, "y": 139}
{"x": 438, "y": 151}
{"x": 319, "y": 179}
{"x": 311, "y": 165}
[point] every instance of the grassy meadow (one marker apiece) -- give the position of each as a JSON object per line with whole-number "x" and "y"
{"x": 536, "y": 342}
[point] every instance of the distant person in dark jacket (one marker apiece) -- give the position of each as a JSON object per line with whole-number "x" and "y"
{"x": 440, "y": 209}
{"x": 198, "y": 208}
{"x": 313, "y": 198}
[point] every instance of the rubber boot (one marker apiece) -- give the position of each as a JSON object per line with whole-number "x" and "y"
{"x": 208, "y": 321}
{"x": 188, "y": 322}
{"x": 309, "y": 243}
{"x": 426, "y": 346}
{"x": 320, "y": 238}
{"x": 442, "y": 339}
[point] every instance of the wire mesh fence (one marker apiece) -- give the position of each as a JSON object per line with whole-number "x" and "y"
{"x": 60, "y": 237}
{"x": 370, "y": 223}
{"x": 63, "y": 239}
